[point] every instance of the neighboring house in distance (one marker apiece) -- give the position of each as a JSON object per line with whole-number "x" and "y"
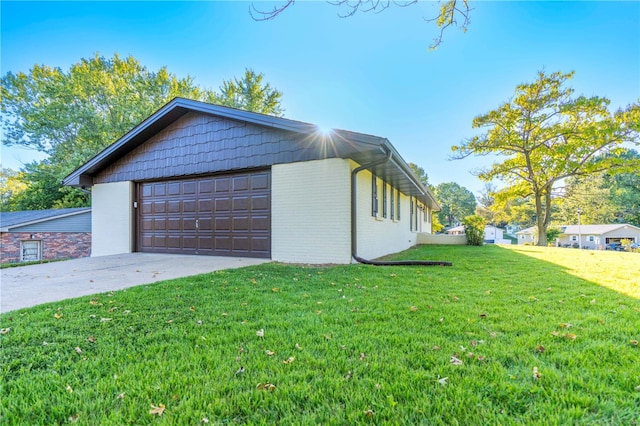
{"x": 197, "y": 178}
{"x": 527, "y": 235}
{"x": 597, "y": 236}
{"x": 590, "y": 236}
{"x": 45, "y": 234}
{"x": 492, "y": 234}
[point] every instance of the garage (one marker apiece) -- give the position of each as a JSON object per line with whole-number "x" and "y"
{"x": 218, "y": 215}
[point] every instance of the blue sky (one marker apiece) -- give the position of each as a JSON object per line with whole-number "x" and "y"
{"x": 370, "y": 73}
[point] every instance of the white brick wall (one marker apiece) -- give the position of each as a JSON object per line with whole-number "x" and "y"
{"x": 311, "y": 212}
{"x": 112, "y": 218}
{"x": 380, "y": 236}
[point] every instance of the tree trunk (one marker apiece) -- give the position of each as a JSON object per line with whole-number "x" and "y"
{"x": 541, "y": 222}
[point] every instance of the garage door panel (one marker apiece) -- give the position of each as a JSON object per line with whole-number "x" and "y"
{"x": 261, "y": 223}
{"x": 233, "y": 214}
{"x": 260, "y": 181}
{"x": 260, "y": 203}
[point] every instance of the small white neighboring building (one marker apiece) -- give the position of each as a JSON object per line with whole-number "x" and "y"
{"x": 492, "y": 234}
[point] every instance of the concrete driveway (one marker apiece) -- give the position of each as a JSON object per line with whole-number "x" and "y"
{"x": 26, "y": 286}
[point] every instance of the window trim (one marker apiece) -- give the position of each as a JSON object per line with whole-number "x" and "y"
{"x": 384, "y": 199}
{"x": 374, "y": 195}
{"x": 38, "y": 255}
{"x": 391, "y": 203}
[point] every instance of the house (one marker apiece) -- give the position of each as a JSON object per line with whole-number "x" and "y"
{"x": 527, "y": 235}
{"x": 586, "y": 236}
{"x": 45, "y": 234}
{"x": 597, "y": 236}
{"x": 197, "y": 178}
{"x": 492, "y": 234}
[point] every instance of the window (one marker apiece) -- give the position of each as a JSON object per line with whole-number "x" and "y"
{"x": 374, "y": 195}
{"x": 391, "y": 203}
{"x": 411, "y": 214}
{"x": 398, "y": 204}
{"x": 574, "y": 238}
{"x": 384, "y": 199}
{"x": 29, "y": 251}
{"x": 591, "y": 238}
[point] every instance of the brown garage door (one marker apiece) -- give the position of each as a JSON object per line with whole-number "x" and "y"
{"x": 222, "y": 215}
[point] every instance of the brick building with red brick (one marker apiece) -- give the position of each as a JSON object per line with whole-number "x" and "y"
{"x": 45, "y": 235}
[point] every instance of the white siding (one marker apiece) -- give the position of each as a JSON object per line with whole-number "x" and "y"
{"x": 378, "y": 236}
{"x": 112, "y": 218}
{"x": 311, "y": 212}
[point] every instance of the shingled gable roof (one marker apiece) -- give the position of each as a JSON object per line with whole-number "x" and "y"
{"x": 360, "y": 147}
{"x": 9, "y": 220}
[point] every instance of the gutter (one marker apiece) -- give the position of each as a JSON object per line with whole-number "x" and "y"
{"x": 354, "y": 221}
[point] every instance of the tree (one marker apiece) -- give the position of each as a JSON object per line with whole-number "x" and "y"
{"x": 421, "y": 174}
{"x": 474, "y": 230}
{"x": 249, "y": 93}
{"x": 11, "y": 184}
{"x": 73, "y": 115}
{"x": 450, "y": 12}
{"x": 456, "y": 202}
{"x": 589, "y": 194}
{"x": 543, "y": 136}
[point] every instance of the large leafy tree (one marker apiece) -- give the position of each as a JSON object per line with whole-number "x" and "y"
{"x": 72, "y": 115}
{"x": 456, "y": 202}
{"x": 603, "y": 198}
{"x": 451, "y": 12}
{"x": 250, "y": 93}
{"x": 544, "y": 135}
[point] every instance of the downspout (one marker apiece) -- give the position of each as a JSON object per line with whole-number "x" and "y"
{"x": 354, "y": 222}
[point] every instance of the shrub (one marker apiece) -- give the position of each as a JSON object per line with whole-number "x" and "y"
{"x": 474, "y": 229}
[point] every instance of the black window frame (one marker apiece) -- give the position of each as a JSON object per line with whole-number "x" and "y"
{"x": 374, "y": 195}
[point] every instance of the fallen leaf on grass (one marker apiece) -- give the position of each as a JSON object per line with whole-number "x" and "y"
{"x": 275, "y": 289}
{"x": 540, "y": 348}
{"x": 267, "y": 386}
{"x": 270, "y": 353}
{"x": 298, "y": 347}
{"x": 57, "y": 315}
{"x": 120, "y": 395}
{"x": 442, "y": 381}
{"x": 157, "y": 409}
{"x": 105, "y": 319}
{"x": 481, "y": 358}
{"x": 91, "y": 339}
{"x": 569, "y": 336}
{"x": 634, "y": 342}
{"x": 455, "y": 360}
{"x": 369, "y": 413}
{"x": 536, "y": 374}
{"x": 565, "y": 325}
{"x": 435, "y": 348}
{"x": 205, "y": 420}
{"x": 288, "y": 360}
{"x": 362, "y": 356}
{"x": 5, "y": 330}
{"x": 413, "y": 308}
{"x": 78, "y": 350}
{"x": 260, "y": 333}
{"x": 69, "y": 389}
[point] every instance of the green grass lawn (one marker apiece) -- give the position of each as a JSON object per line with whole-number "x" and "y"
{"x": 516, "y": 335}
